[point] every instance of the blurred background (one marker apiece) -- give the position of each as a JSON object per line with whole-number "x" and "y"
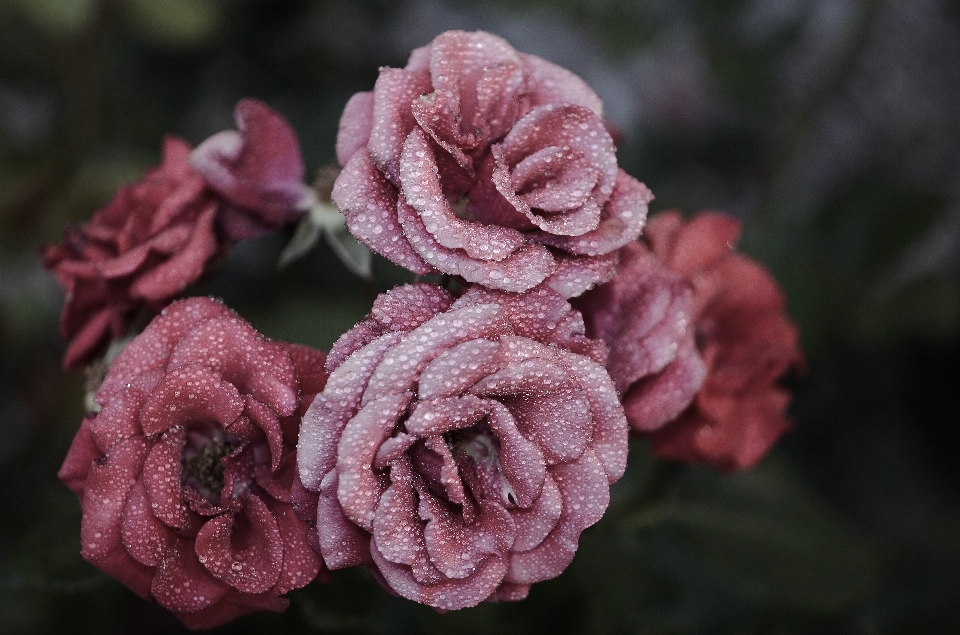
{"x": 831, "y": 127}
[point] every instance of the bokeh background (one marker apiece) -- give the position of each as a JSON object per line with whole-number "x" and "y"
{"x": 831, "y": 127}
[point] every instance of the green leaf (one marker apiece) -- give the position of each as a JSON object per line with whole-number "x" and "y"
{"x": 176, "y": 23}
{"x": 763, "y": 537}
{"x": 304, "y": 238}
{"x": 60, "y": 17}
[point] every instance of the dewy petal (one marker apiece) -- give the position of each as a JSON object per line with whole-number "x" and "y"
{"x": 522, "y": 270}
{"x": 356, "y": 123}
{"x": 585, "y": 490}
{"x": 407, "y": 307}
{"x": 233, "y": 348}
{"x": 456, "y": 369}
{"x": 359, "y": 488}
{"x": 182, "y": 584}
{"x": 243, "y": 550}
{"x": 393, "y": 94}
{"x": 267, "y": 421}
{"x": 259, "y": 167}
{"x": 433, "y": 417}
{"x": 477, "y": 78}
{"x": 560, "y": 156}
{"x": 447, "y": 595}
{"x": 369, "y": 202}
{"x": 104, "y": 499}
{"x": 396, "y": 526}
{"x": 324, "y": 421}
{"x": 120, "y": 417}
{"x": 536, "y": 522}
{"x": 157, "y": 341}
{"x": 300, "y": 562}
{"x": 190, "y": 393}
{"x": 310, "y": 364}
{"x": 652, "y": 403}
{"x": 551, "y": 83}
{"x": 144, "y": 537}
{"x": 540, "y": 314}
{"x": 342, "y": 543}
{"x": 521, "y": 460}
{"x": 401, "y": 367}
{"x": 644, "y": 316}
{"x": 422, "y": 191}
{"x": 80, "y": 457}
{"x": 161, "y": 479}
{"x": 622, "y": 219}
{"x": 609, "y": 424}
{"x": 548, "y": 407}
{"x": 457, "y": 549}
{"x": 576, "y": 274}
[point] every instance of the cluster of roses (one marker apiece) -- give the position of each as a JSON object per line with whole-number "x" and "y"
{"x": 457, "y": 443}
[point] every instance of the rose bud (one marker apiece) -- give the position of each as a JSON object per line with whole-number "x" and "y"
{"x": 143, "y": 248}
{"x": 481, "y": 162}
{"x": 460, "y": 447}
{"x": 185, "y": 475}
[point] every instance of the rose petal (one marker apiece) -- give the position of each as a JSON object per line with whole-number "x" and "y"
{"x": 157, "y": 341}
{"x": 243, "y": 550}
{"x": 342, "y": 543}
{"x": 190, "y": 393}
{"x": 586, "y": 494}
{"x": 234, "y": 349}
{"x": 161, "y": 479}
{"x": 80, "y": 457}
{"x": 369, "y": 201}
{"x": 324, "y": 421}
{"x": 105, "y": 496}
{"x": 144, "y": 537}
{"x": 182, "y": 584}
{"x": 400, "y": 368}
{"x": 356, "y": 123}
{"x": 359, "y": 487}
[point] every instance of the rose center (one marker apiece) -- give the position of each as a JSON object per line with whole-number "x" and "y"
{"x": 202, "y": 465}
{"x": 483, "y": 448}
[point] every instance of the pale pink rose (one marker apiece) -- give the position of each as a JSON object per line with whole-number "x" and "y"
{"x": 481, "y": 162}
{"x": 460, "y": 447}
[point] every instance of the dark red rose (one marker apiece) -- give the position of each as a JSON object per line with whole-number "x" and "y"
{"x": 460, "y": 447}
{"x": 745, "y": 339}
{"x": 645, "y": 315}
{"x": 143, "y": 248}
{"x": 185, "y": 475}
{"x": 478, "y": 161}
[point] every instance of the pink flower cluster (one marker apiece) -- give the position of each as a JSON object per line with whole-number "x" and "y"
{"x": 456, "y": 443}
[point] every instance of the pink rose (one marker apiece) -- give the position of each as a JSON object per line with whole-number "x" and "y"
{"x": 185, "y": 475}
{"x": 460, "y": 447}
{"x": 645, "y": 316}
{"x": 488, "y": 164}
{"x": 155, "y": 237}
{"x": 745, "y": 339}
